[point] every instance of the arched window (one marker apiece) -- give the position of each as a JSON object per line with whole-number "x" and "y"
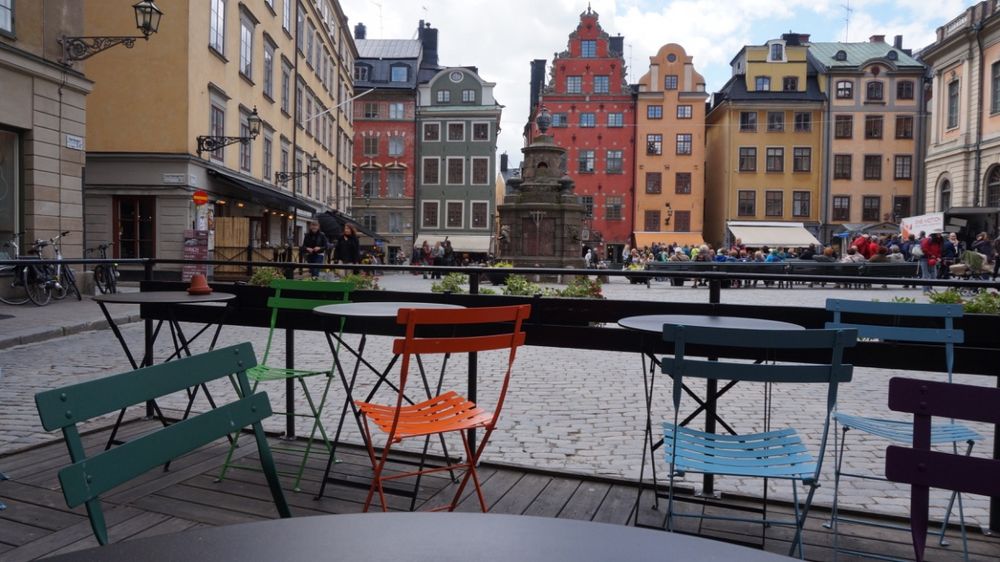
{"x": 993, "y": 187}
{"x": 945, "y": 198}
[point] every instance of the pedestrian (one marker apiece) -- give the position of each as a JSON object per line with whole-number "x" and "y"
{"x": 588, "y": 259}
{"x": 314, "y": 245}
{"x": 437, "y": 255}
{"x": 929, "y": 256}
{"x": 426, "y": 256}
{"x": 348, "y": 247}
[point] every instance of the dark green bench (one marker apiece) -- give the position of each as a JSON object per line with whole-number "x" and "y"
{"x": 89, "y": 477}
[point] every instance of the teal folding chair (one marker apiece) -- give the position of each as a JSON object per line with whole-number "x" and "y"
{"x": 318, "y": 293}
{"x": 887, "y": 317}
{"x": 778, "y": 454}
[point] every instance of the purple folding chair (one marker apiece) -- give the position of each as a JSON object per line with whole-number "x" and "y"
{"x": 922, "y": 468}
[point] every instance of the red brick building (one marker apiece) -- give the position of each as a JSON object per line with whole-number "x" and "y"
{"x": 594, "y": 119}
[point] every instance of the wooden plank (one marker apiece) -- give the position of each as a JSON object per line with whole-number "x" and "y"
{"x": 116, "y": 533}
{"x": 553, "y": 498}
{"x": 194, "y": 512}
{"x": 38, "y": 516}
{"x": 54, "y": 541}
{"x": 585, "y": 501}
{"x": 518, "y": 498}
{"x": 16, "y": 534}
{"x": 493, "y": 491}
{"x": 167, "y": 526}
{"x": 14, "y": 490}
{"x": 263, "y": 508}
{"x": 617, "y": 506}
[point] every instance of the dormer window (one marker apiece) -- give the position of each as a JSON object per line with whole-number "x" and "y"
{"x": 588, "y": 48}
{"x": 399, "y": 73}
{"x": 361, "y": 72}
{"x": 841, "y": 55}
{"x": 777, "y": 52}
{"x": 762, "y": 83}
{"x": 893, "y": 55}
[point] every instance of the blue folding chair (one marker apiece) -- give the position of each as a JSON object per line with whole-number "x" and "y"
{"x": 778, "y": 454}
{"x": 900, "y": 432}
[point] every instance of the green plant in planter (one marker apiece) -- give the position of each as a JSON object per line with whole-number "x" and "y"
{"x": 983, "y": 303}
{"x": 362, "y": 282}
{"x": 502, "y": 264}
{"x": 950, "y": 296}
{"x": 453, "y": 283}
{"x": 582, "y": 288}
{"x": 519, "y": 286}
{"x": 262, "y": 276}
{"x": 487, "y": 291}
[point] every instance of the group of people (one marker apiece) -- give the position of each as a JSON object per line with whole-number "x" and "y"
{"x": 441, "y": 254}
{"x": 316, "y": 246}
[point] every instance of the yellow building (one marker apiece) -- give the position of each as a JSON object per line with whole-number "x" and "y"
{"x": 670, "y": 156}
{"x": 764, "y": 140}
{"x": 210, "y": 66}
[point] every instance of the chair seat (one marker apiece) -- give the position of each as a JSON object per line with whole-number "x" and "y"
{"x": 775, "y": 454}
{"x": 447, "y": 412}
{"x": 264, "y": 373}
{"x": 902, "y": 431}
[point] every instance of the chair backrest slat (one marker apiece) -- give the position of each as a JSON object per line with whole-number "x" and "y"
{"x": 76, "y": 403}
{"x": 300, "y": 285}
{"x": 459, "y": 316}
{"x": 87, "y": 479}
{"x": 756, "y": 372}
{"x": 901, "y": 333}
{"x": 945, "y": 400}
{"x": 462, "y": 344}
{"x": 895, "y": 308}
{"x": 759, "y": 339}
{"x": 294, "y": 303}
{"x": 971, "y": 475}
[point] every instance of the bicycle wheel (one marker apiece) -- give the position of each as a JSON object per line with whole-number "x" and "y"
{"x": 60, "y": 289}
{"x": 112, "y": 277}
{"x": 69, "y": 282}
{"x": 16, "y": 295}
{"x": 36, "y": 285}
{"x": 100, "y": 280}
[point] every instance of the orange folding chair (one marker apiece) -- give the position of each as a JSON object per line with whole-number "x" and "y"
{"x": 448, "y": 412}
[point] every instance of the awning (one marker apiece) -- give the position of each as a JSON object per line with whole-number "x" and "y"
{"x": 472, "y": 243}
{"x": 357, "y": 225}
{"x": 644, "y": 239}
{"x": 960, "y": 211}
{"x": 258, "y": 193}
{"x": 792, "y": 235}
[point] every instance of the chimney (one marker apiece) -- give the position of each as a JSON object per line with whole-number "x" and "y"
{"x": 876, "y": 39}
{"x": 503, "y": 162}
{"x": 429, "y": 41}
{"x": 360, "y": 31}
{"x": 537, "y": 81}
{"x": 898, "y": 42}
{"x": 616, "y": 45}
{"x": 792, "y": 38}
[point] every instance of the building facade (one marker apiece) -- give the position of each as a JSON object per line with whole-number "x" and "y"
{"x": 872, "y": 165}
{"x": 212, "y": 64}
{"x": 43, "y": 120}
{"x": 764, "y": 141}
{"x": 458, "y": 121}
{"x": 593, "y": 117}
{"x": 670, "y": 160}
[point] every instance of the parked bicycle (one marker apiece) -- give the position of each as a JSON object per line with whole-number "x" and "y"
{"x": 36, "y": 280}
{"x": 15, "y": 294}
{"x": 105, "y": 275}
{"x": 66, "y": 279}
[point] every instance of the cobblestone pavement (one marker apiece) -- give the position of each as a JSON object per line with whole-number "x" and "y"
{"x": 572, "y": 410}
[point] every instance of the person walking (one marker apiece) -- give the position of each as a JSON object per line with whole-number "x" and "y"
{"x": 930, "y": 255}
{"x": 314, "y": 245}
{"x": 348, "y": 247}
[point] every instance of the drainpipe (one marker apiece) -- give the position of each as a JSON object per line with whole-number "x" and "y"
{"x": 825, "y": 183}
{"x": 979, "y": 116}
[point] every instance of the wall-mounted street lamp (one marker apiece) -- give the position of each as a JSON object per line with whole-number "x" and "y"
{"x": 209, "y": 143}
{"x": 147, "y": 20}
{"x": 311, "y": 168}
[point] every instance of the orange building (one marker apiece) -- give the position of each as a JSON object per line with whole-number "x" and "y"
{"x": 670, "y": 151}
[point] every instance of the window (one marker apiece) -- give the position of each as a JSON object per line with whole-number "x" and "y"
{"x": 574, "y": 84}
{"x": 873, "y": 126}
{"x": 904, "y": 127}
{"x": 397, "y": 111}
{"x": 399, "y": 73}
{"x": 217, "y": 26}
{"x": 616, "y": 120}
{"x": 371, "y": 110}
{"x": 992, "y": 188}
{"x": 601, "y": 84}
{"x": 136, "y": 218}
{"x": 953, "y": 104}
{"x": 670, "y": 82}
{"x": 615, "y": 161}
{"x": 945, "y": 199}
{"x": 286, "y": 15}
{"x": 397, "y": 183}
{"x": 995, "y": 87}
{"x": 245, "y": 146}
{"x": 432, "y": 171}
{"x": 901, "y": 207}
{"x": 651, "y": 221}
{"x": 370, "y": 183}
{"x": 684, "y": 111}
{"x": 803, "y": 122}
{"x": 873, "y": 167}
{"x": 444, "y": 96}
{"x": 456, "y": 132}
{"x": 903, "y": 167}
{"x": 588, "y": 120}
{"x": 286, "y": 85}
{"x": 775, "y": 159}
{"x": 285, "y": 148}
{"x": 456, "y": 171}
{"x": 654, "y": 182}
{"x": 874, "y": 91}
{"x": 613, "y": 208}
{"x": 396, "y": 145}
{"x": 682, "y": 221}
{"x": 762, "y": 83}
{"x": 777, "y": 52}
{"x": 654, "y": 145}
{"x": 468, "y": 96}
{"x": 845, "y": 90}
{"x": 559, "y": 120}
{"x": 300, "y": 20}
{"x": 246, "y": 47}
{"x": 454, "y": 211}
{"x": 361, "y": 72}
{"x": 310, "y": 33}
{"x": 775, "y": 121}
{"x": 269, "y": 69}
{"x": 682, "y": 183}
{"x": 588, "y": 206}
{"x": 800, "y": 203}
{"x": 801, "y": 159}
{"x": 429, "y": 214}
{"x": 747, "y": 203}
{"x": 871, "y": 208}
{"x": 586, "y": 161}
{"x": 370, "y": 145}
{"x": 432, "y": 132}
{"x": 841, "y": 208}
{"x": 396, "y": 223}
{"x": 904, "y": 90}
{"x": 588, "y": 48}
{"x": 774, "y": 203}
{"x": 842, "y": 166}
{"x": 217, "y": 126}
{"x": 268, "y": 155}
{"x": 480, "y": 132}
{"x": 480, "y": 171}
{"x": 480, "y": 214}
{"x": 654, "y": 112}
{"x": 748, "y": 159}
{"x": 843, "y": 126}
{"x": 748, "y": 121}
{"x": 684, "y": 144}
{"x": 790, "y": 84}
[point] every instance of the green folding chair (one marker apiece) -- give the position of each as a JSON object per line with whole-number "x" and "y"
{"x": 318, "y": 293}
{"x": 87, "y": 478}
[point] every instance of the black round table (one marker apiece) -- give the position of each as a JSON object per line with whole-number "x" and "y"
{"x": 375, "y": 309}
{"x": 654, "y": 322}
{"x": 420, "y": 537}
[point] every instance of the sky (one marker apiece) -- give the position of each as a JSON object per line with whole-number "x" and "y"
{"x": 501, "y": 37}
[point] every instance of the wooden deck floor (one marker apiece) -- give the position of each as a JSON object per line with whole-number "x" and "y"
{"x": 37, "y": 523}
